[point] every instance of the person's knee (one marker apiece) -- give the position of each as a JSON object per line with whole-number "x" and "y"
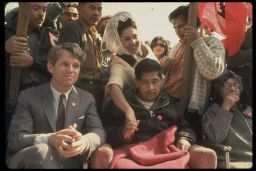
{"x": 102, "y": 156}
{"x": 41, "y": 150}
{"x": 202, "y": 157}
{"x": 29, "y": 157}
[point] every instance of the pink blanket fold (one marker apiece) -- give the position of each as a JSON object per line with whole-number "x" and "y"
{"x": 158, "y": 152}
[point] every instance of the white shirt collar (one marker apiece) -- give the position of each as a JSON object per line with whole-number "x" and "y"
{"x": 56, "y": 93}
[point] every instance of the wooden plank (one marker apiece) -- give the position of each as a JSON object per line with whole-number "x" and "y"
{"x": 187, "y": 75}
{"x": 21, "y": 31}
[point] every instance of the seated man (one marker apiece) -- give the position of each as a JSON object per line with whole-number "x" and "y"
{"x": 55, "y": 125}
{"x": 156, "y": 113}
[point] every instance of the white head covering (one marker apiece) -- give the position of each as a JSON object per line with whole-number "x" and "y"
{"x": 111, "y": 36}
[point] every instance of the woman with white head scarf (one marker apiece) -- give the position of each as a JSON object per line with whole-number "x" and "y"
{"x": 122, "y": 40}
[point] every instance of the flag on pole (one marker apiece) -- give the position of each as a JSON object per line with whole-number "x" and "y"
{"x": 227, "y": 19}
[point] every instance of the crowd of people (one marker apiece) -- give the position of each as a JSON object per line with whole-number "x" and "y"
{"x": 72, "y": 112}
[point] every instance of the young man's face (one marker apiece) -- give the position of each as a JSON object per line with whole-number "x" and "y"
{"x": 65, "y": 71}
{"x": 90, "y": 12}
{"x": 179, "y": 26}
{"x": 149, "y": 86}
{"x": 37, "y": 14}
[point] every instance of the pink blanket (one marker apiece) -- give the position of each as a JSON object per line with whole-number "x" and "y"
{"x": 158, "y": 152}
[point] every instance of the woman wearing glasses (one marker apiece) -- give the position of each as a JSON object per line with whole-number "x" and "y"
{"x": 159, "y": 47}
{"x": 229, "y": 122}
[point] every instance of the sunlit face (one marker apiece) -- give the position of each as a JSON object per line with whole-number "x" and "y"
{"x": 90, "y": 12}
{"x": 179, "y": 26}
{"x": 231, "y": 86}
{"x": 37, "y": 14}
{"x": 159, "y": 48}
{"x": 129, "y": 39}
{"x": 149, "y": 86}
{"x": 65, "y": 71}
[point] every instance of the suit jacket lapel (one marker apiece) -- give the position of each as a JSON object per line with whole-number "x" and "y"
{"x": 72, "y": 107}
{"x": 47, "y": 103}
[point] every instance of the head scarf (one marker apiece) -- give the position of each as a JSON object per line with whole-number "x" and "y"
{"x": 111, "y": 36}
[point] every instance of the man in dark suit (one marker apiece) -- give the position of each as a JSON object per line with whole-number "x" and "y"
{"x": 39, "y": 137}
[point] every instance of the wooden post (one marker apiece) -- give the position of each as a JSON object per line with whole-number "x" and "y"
{"x": 187, "y": 75}
{"x": 21, "y": 31}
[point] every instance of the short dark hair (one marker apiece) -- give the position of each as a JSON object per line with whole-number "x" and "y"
{"x": 73, "y": 48}
{"x": 154, "y": 42}
{"x": 219, "y": 82}
{"x": 126, "y": 24}
{"x": 181, "y": 11}
{"x": 147, "y": 65}
{"x": 74, "y": 5}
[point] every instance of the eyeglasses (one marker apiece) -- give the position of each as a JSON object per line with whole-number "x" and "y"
{"x": 71, "y": 14}
{"x": 160, "y": 44}
{"x": 229, "y": 85}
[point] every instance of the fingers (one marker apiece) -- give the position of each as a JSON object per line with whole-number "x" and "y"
{"x": 130, "y": 128}
{"x": 190, "y": 33}
{"x": 15, "y": 44}
{"x": 76, "y": 144}
{"x": 184, "y": 147}
{"x": 74, "y": 126}
{"x": 21, "y": 59}
{"x": 183, "y": 144}
{"x": 128, "y": 133}
{"x": 71, "y": 132}
{"x": 69, "y": 151}
{"x": 233, "y": 97}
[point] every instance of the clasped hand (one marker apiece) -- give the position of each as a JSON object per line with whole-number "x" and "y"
{"x": 68, "y": 142}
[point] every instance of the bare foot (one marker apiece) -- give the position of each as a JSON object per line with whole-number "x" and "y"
{"x": 102, "y": 157}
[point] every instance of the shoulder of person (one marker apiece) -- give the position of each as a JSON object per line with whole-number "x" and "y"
{"x": 37, "y": 90}
{"x": 83, "y": 93}
{"x": 209, "y": 40}
{"x": 71, "y": 26}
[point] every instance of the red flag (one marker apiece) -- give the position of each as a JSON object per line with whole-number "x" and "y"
{"x": 226, "y": 18}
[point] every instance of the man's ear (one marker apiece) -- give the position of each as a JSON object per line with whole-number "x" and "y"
{"x": 50, "y": 67}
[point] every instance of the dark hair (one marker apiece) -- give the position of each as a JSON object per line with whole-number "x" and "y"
{"x": 147, "y": 65}
{"x": 181, "y": 11}
{"x": 126, "y": 24}
{"x": 218, "y": 83}
{"x": 73, "y": 48}
{"x": 154, "y": 42}
{"x": 74, "y": 5}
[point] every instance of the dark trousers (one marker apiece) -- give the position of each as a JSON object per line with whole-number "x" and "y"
{"x": 96, "y": 89}
{"x": 195, "y": 123}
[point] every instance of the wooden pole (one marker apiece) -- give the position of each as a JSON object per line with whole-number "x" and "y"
{"x": 187, "y": 75}
{"x": 21, "y": 31}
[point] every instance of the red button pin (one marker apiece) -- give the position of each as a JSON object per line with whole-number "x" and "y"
{"x": 159, "y": 117}
{"x": 73, "y": 104}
